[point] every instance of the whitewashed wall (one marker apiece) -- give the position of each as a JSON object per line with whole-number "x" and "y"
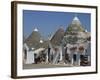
{"x": 30, "y": 57}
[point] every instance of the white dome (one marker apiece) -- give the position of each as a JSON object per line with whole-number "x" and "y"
{"x": 32, "y": 48}
{"x": 41, "y": 41}
{"x": 76, "y": 18}
{"x": 35, "y": 29}
{"x": 86, "y": 30}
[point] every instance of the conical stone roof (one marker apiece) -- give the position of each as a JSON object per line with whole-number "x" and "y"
{"x": 36, "y": 41}
{"x": 75, "y": 26}
{"x": 57, "y": 37}
{"x": 75, "y": 33}
{"x": 34, "y": 38}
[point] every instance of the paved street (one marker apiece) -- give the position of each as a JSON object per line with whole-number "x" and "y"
{"x": 37, "y": 66}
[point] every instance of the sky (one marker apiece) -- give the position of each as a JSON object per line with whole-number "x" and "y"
{"x": 48, "y": 22}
